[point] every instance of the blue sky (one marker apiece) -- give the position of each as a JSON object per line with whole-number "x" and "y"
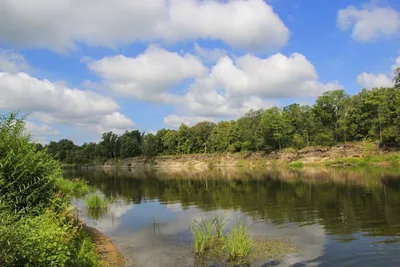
{"x": 80, "y": 68}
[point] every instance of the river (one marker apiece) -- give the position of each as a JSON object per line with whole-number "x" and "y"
{"x": 337, "y": 216}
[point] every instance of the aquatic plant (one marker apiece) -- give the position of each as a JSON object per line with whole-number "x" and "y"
{"x": 207, "y": 233}
{"x": 97, "y": 202}
{"x": 238, "y": 243}
{"x": 220, "y": 224}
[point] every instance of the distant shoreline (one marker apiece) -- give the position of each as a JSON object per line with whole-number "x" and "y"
{"x": 349, "y": 154}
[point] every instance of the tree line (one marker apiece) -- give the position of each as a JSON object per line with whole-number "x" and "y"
{"x": 335, "y": 117}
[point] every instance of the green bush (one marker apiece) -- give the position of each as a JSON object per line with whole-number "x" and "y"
{"x": 49, "y": 239}
{"x": 36, "y": 225}
{"x": 26, "y": 174}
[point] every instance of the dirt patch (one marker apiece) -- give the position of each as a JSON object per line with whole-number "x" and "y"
{"x": 109, "y": 253}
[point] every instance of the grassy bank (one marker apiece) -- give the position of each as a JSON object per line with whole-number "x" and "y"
{"x": 37, "y": 222}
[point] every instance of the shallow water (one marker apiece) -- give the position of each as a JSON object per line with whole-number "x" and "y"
{"x": 338, "y": 217}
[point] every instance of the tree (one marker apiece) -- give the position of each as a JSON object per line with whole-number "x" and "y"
{"x": 150, "y": 145}
{"x": 396, "y": 78}
{"x": 131, "y": 144}
{"x": 249, "y": 133}
{"x": 276, "y": 128}
{"x": 201, "y": 133}
{"x": 331, "y": 109}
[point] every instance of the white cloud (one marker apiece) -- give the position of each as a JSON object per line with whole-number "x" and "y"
{"x": 256, "y": 26}
{"x": 209, "y": 55}
{"x": 372, "y": 80}
{"x": 369, "y": 23}
{"x": 40, "y": 133}
{"x": 233, "y": 87}
{"x": 53, "y": 102}
{"x": 59, "y": 25}
{"x": 274, "y": 76}
{"x": 148, "y": 76}
{"x": 12, "y": 62}
{"x": 227, "y": 90}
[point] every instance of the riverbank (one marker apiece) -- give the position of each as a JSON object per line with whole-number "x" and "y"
{"x": 349, "y": 154}
{"x": 106, "y": 249}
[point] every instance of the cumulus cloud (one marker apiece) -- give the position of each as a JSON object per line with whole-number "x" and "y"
{"x": 53, "y": 102}
{"x": 230, "y": 88}
{"x": 40, "y": 133}
{"x": 372, "y": 80}
{"x": 209, "y": 55}
{"x": 12, "y": 62}
{"x": 233, "y": 87}
{"x": 256, "y": 26}
{"x": 148, "y": 76}
{"x": 369, "y": 23}
{"x": 59, "y": 25}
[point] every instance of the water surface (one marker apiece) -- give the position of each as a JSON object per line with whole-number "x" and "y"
{"x": 339, "y": 217}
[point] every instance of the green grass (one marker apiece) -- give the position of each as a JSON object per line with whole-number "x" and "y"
{"x": 75, "y": 188}
{"x": 220, "y": 224}
{"x": 296, "y": 164}
{"x": 238, "y": 244}
{"x": 236, "y": 247}
{"x": 203, "y": 235}
{"x": 97, "y": 202}
{"x": 97, "y": 206}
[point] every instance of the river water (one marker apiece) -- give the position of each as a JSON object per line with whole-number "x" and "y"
{"x": 337, "y": 216}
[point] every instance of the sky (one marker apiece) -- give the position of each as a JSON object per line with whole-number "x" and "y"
{"x": 79, "y": 68}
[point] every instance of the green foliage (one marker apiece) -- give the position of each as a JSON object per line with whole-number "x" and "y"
{"x": 97, "y": 206}
{"x": 324, "y": 139}
{"x": 239, "y": 244}
{"x": 74, "y": 188}
{"x": 36, "y": 226}
{"x": 27, "y": 174}
{"x": 369, "y": 148}
{"x": 296, "y": 164}
{"x": 204, "y": 235}
{"x": 298, "y": 141}
{"x": 48, "y": 239}
{"x": 97, "y": 202}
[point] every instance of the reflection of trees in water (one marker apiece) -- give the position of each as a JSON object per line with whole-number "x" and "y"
{"x": 343, "y": 200}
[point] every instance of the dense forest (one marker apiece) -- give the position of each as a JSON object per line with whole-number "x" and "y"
{"x": 335, "y": 117}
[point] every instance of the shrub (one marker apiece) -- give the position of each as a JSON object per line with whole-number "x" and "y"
{"x": 49, "y": 239}
{"x": 36, "y": 225}
{"x": 369, "y": 148}
{"x": 26, "y": 174}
